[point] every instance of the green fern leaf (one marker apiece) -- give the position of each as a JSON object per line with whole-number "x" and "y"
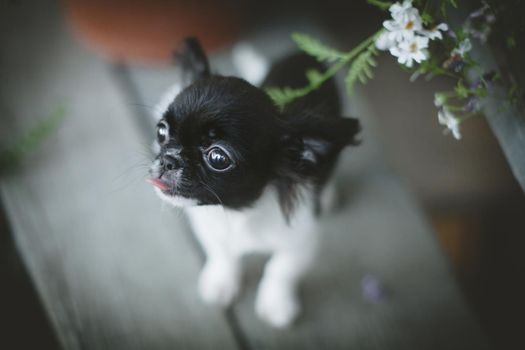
{"x": 314, "y": 77}
{"x": 361, "y": 69}
{"x": 315, "y": 48}
{"x": 29, "y": 142}
{"x": 383, "y": 5}
{"x": 283, "y": 96}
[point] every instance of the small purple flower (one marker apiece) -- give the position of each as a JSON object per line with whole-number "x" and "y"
{"x": 481, "y": 11}
{"x": 472, "y": 105}
{"x": 475, "y": 83}
{"x": 454, "y": 63}
{"x": 485, "y": 81}
{"x": 478, "y": 23}
{"x": 489, "y": 79}
{"x": 373, "y": 289}
{"x": 490, "y": 18}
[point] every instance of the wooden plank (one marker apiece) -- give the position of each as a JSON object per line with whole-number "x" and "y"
{"x": 379, "y": 231}
{"x": 114, "y": 271}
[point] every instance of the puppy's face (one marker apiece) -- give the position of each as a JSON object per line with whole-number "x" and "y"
{"x": 219, "y": 144}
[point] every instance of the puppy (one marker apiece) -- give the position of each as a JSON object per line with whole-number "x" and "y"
{"x": 251, "y": 177}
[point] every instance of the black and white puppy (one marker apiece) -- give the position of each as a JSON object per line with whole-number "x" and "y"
{"x": 250, "y": 177}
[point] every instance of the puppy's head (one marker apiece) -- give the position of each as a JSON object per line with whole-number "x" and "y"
{"x": 222, "y": 141}
{"x": 218, "y": 144}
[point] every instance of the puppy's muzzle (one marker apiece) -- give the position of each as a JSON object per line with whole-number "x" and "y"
{"x": 169, "y": 162}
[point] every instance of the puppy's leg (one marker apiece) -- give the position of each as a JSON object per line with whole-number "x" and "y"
{"x": 220, "y": 278}
{"x": 219, "y": 281}
{"x": 277, "y": 299}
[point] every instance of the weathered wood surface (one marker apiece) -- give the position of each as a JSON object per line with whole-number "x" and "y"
{"x": 115, "y": 271}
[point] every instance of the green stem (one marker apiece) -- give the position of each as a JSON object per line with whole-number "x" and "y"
{"x": 383, "y": 5}
{"x": 447, "y": 93}
{"x": 329, "y": 73}
{"x": 332, "y": 71}
{"x": 447, "y": 73}
{"x": 350, "y": 56}
{"x": 468, "y": 116}
{"x": 455, "y": 108}
{"x": 427, "y": 3}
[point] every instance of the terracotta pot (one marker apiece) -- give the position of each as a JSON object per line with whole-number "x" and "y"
{"x": 150, "y": 30}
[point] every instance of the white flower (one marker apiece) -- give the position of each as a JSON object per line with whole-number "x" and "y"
{"x": 411, "y": 50}
{"x": 384, "y": 42}
{"x": 405, "y": 36}
{"x": 439, "y": 99}
{"x": 464, "y": 47}
{"x": 435, "y": 33}
{"x": 447, "y": 118}
{"x": 404, "y": 25}
{"x": 398, "y": 9}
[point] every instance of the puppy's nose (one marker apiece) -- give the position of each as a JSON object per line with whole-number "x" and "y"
{"x": 170, "y": 162}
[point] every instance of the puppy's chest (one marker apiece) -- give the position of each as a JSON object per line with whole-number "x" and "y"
{"x": 260, "y": 228}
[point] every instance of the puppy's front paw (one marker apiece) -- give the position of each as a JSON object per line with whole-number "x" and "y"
{"x": 277, "y": 305}
{"x": 219, "y": 283}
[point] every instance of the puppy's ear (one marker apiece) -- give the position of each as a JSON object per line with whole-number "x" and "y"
{"x": 312, "y": 143}
{"x": 310, "y": 146}
{"x": 191, "y": 57}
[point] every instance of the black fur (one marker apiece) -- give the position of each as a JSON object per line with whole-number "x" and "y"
{"x": 284, "y": 149}
{"x": 192, "y": 58}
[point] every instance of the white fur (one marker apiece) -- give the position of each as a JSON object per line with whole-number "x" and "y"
{"x": 166, "y": 99}
{"x": 176, "y": 201}
{"x": 227, "y": 235}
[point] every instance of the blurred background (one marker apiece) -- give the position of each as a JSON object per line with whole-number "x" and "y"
{"x": 465, "y": 188}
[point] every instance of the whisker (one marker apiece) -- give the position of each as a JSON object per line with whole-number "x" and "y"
{"x": 131, "y": 174}
{"x": 224, "y": 212}
{"x": 154, "y": 110}
{"x": 143, "y": 105}
{"x": 212, "y": 192}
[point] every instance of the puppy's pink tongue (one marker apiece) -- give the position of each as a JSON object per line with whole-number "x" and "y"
{"x": 161, "y": 185}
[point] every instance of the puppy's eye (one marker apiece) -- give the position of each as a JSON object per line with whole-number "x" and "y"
{"x": 218, "y": 160}
{"x": 162, "y": 133}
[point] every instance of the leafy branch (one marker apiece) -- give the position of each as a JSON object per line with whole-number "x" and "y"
{"x": 407, "y": 35}
{"x": 361, "y": 69}
{"x": 382, "y": 5}
{"x": 313, "y": 47}
{"x": 27, "y": 143}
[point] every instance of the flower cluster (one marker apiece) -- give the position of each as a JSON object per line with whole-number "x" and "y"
{"x": 479, "y": 23}
{"x": 405, "y": 37}
{"x": 446, "y": 117}
{"x": 456, "y": 60}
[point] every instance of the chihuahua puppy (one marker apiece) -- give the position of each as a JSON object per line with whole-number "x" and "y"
{"x": 250, "y": 177}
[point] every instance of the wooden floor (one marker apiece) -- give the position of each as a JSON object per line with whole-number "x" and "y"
{"x": 117, "y": 270}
